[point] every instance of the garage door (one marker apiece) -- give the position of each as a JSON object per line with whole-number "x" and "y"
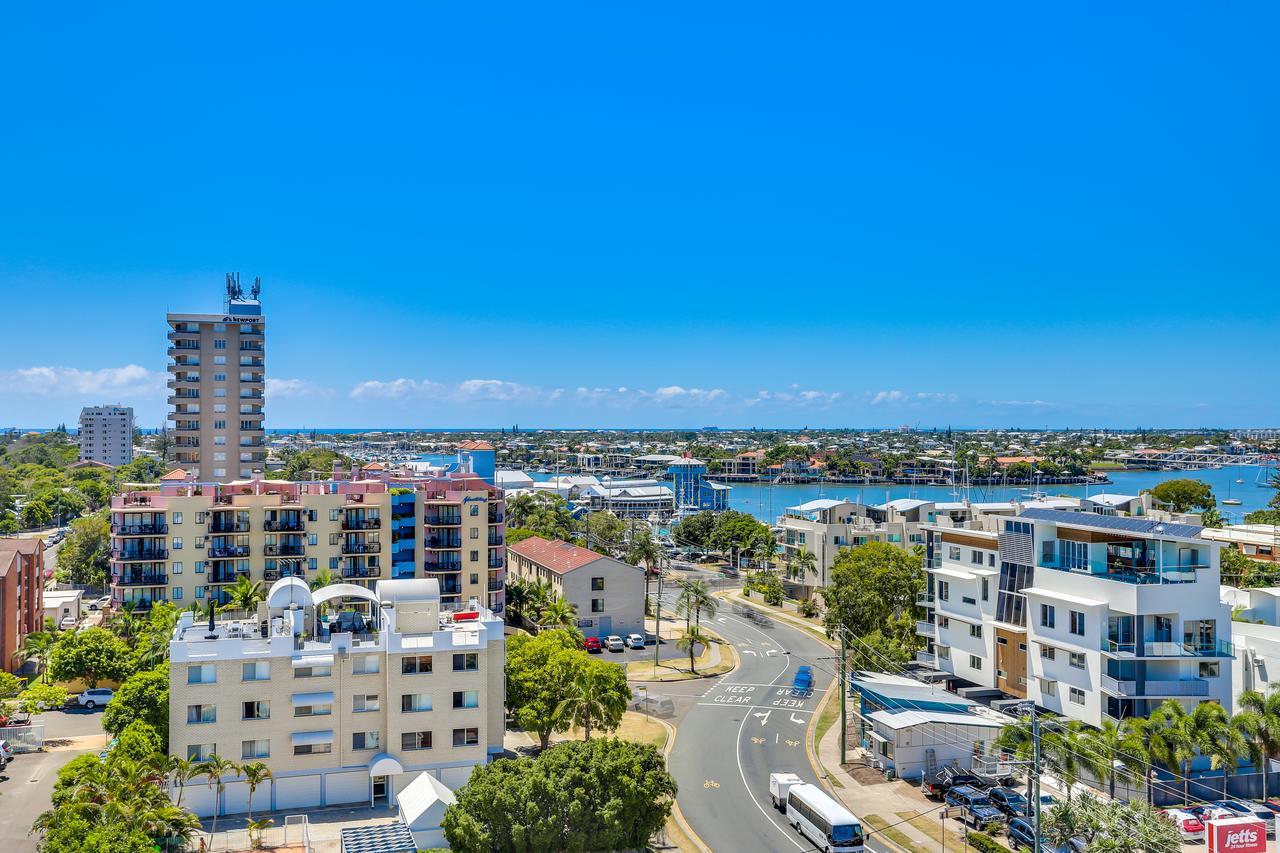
{"x": 455, "y": 777}
{"x": 198, "y": 798}
{"x": 346, "y": 788}
{"x": 235, "y": 797}
{"x": 297, "y": 792}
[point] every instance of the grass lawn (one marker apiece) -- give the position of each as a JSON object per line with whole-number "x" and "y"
{"x": 931, "y": 825}
{"x": 634, "y": 727}
{"x": 827, "y": 719}
{"x": 677, "y": 669}
{"x": 897, "y": 836}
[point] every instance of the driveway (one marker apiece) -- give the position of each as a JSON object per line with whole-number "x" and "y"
{"x": 27, "y": 783}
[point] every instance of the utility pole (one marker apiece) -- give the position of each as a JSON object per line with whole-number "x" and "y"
{"x": 1035, "y": 766}
{"x": 657, "y": 621}
{"x": 844, "y": 720}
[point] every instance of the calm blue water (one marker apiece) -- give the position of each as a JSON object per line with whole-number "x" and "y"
{"x": 766, "y": 502}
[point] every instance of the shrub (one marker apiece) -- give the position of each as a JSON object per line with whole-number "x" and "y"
{"x": 984, "y": 843}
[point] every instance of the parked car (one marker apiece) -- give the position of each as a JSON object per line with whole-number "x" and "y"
{"x": 68, "y": 622}
{"x": 946, "y": 779}
{"x": 1209, "y": 812}
{"x": 591, "y": 644}
{"x": 6, "y": 753}
{"x": 1009, "y": 801}
{"x": 975, "y": 805}
{"x": 614, "y": 643}
{"x": 1243, "y": 809}
{"x": 95, "y": 696}
{"x": 635, "y": 641}
{"x": 1190, "y": 827}
{"x": 1022, "y": 835}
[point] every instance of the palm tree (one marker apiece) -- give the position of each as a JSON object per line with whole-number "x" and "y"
{"x": 184, "y": 770}
{"x": 1259, "y": 722}
{"x": 322, "y": 578}
{"x": 37, "y": 646}
{"x": 519, "y": 508}
{"x": 217, "y": 769}
{"x": 1119, "y": 754}
{"x": 1177, "y": 736}
{"x": 244, "y": 595}
{"x": 517, "y": 598}
{"x": 1064, "y": 747}
{"x": 254, "y": 775}
{"x": 559, "y": 613}
{"x": 695, "y": 597}
{"x": 591, "y": 698}
{"x": 689, "y": 641}
{"x": 804, "y": 563}
{"x": 642, "y": 550}
{"x": 1063, "y": 822}
{"x": 169, "y": 822}
{"x": 126, "y": 623}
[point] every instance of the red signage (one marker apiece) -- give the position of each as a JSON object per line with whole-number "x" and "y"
{"x": 1236, "y": 835}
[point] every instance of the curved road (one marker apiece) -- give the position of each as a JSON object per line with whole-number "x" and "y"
{"x": 745, "y": 726}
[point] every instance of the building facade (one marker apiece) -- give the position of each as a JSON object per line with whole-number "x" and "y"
{"x": 346, "y": 694}
{"x": 1089, "y": 615}
{"x": 21, "y": 595}
{"x": 693, "y": 491}
{"x": 217, "y": 380}
{"x": 608, "y": 593}
{"x": 188, "y": 541}
{"x": 106, "y": 435}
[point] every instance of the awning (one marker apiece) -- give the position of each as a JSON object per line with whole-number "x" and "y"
{"x": 313, "y": 660}
{"x": 300, "y": 699}
{"x": 383, "y": 764}
{"x": 312, "y": 738}
{"x": 875, "y": 735}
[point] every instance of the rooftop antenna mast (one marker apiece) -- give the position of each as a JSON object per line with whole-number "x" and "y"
{"x": 257, "y": 287}
{"x": 233, "y": 286}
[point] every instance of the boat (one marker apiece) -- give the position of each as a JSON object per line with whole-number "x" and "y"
{"x": 1240, "y": 482}
{"x": 1232, "y": 501}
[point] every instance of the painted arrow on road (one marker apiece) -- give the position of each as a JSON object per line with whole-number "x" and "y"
{"x": 764, "y": 718}
{"x": 794, "y": 720}
{"x": 750, "y": 652}
{"x": 770, "y": 652}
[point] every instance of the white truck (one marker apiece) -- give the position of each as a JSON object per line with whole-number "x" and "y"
{"x": 779, "y": 784}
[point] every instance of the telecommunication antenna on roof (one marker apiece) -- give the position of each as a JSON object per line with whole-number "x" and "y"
{"x": 233, "y": 286}
{"x": 257, "y": 287}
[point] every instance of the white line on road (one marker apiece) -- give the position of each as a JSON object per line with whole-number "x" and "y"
{"x": 745, "y": 707}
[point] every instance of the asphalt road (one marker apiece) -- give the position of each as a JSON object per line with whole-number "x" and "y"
{"x": 745, "y": 726}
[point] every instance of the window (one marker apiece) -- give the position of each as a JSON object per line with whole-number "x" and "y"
{"x": 1077, "y": 660}
{"x": 415, "y": 665}
{"x": 466, "y": 737}
{"x": 944, "y": 622}
{"x": 313, "y": 671}
{"x": 466, "y": 698}
{"x": 473, "y": 555}
{"x": 311, "y": 561}
{"x": 256, "y": 710}
{"x": 475, "y": 578}
{"x": 415, "y": 740}
{"x": 975, "y": 631}
{"x": 597, "y": 584}
{"x": 475, "y": 533}
{"x": 1048, "y": 688}
{"x": 467, "y": 662}
{"x": 312, "y": 710}
{"x": 944, "y": 590}
{"x": 219, "y": 377}
{"x": 1003, "y": 641}
{"x": 202, "y": 714}
{"x": 177, "y": 518}
{"x": 975, "y": 662}
{"x": 953, "y": 552}
{"x": 255, "y": 749}
{"x": 220, "y": 343}
{"x": 975, "y": 557}
{"x": 1075, "y": 555}
{"x": 177, "y": 543}
{"x": 1209, "y": 669}
{"x": 364, "y": 702}
{"x": 175, "y": 568}
{"x": 1048, "y": 652}
{"x": 1077, "y": 623}
{"x": 312, "y": 748}
{"x": 1047, "y": 615}
{"x": 333, "y": 516}
{"x": 202, "y": 673}
{"x": 1076, "y": 695}
{"x": 259, "y": 670}
{"x": 199, "y": 592}
{"x": 986, "y": 589}
{"x": 200, "y": 751}
{"x": 365, "y": 740}
{"x": 412, "y": 703}
{"x": 597, "y": 605}
{"x": 364, "y": 665}
{"x": 175, "y": 594}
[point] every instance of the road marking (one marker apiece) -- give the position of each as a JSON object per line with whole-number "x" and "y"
{"x": 749, "y": 652}
{"x": 797, "y": 722}
{"x": 755, "y": 739}
{"x": 793, "y": 743}
{"x": 764, "y": 718}
{"x": 770, "y": 652}
{"x": 740, "y": 707}
{"x": 711, "y": 783}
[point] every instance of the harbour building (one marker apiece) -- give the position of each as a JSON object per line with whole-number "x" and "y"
{"x": 187, "y": 541}
{"x": 347, "y": 694}
{"x": 693, "y": 491}
{"x": 217, "y": 381}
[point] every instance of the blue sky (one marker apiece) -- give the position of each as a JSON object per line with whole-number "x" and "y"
{"x": 676, "y": 214}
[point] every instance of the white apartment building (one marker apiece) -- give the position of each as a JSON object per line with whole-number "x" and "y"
{"x": 106, "y": 435}
{"x": 347, "y": 694}
{"x": 1087, "y": 614}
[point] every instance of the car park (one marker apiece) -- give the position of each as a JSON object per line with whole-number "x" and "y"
{"x": 1190, "y": 827}
{"x": 947, "y": 778}
{"x": 1255, "y": 810}
{"x": 591, "y": 644}
{"x": 635, "y": 641}
{"x": 1022, "y": 836}
{"x": 1209, "y": 812}
{"x": 1009, "y": 801}
{"x": 614, "y": 643}
{"x": 96, "y": 697}
{"x": 974, "y": 804}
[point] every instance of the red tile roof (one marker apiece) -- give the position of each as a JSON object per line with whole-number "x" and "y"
{"x": 557, "y": 555}
{"x": 10, "y": 548}
{"x": 375, "y": 466}
{"x": 175, "y": 474}
{"x": 475, "y": 445}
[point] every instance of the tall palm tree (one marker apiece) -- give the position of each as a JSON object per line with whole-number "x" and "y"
{"x": 517, "y": 598}
{"x": 254, "y": 775}
{"x": 1176, "y": 736}
{"x": 519, "y": 508}
{"x": 804, "y": 563}
{"x": 37, "y": 646}
{"x": 1120, "y": 754}
{"x": 694, "y": 598}
{"x": 322, "y": 578}
{"x": 244, "y": 595}
{"x": 1065, "y": 748}
{"x": 689, "y": 641}
{"x": 217, "y": 769}
{"x": 643, "y": 551}
{"x": 591, "y": 698}
{"x": 1259, "y": 722}
{"x": 559, "y": 613}
{"x": 184, "y": 770}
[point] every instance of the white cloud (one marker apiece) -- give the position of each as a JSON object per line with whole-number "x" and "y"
{"x": 888, "y": 397}
{"x": 397, "y": 389}
{"x": 483, "y": 390}
{"x": 118, "y": 383}
{"x": 795, "y": 395}
{"x": 677, "y": 397}
{"x": 279, "y": 389}
{"x": 895, "y": 397}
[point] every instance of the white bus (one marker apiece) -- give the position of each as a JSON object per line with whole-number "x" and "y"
{"x": 822, "y": 820}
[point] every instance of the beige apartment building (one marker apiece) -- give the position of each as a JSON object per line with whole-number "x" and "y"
{"x": 186, "y": 541}
{"x": 607, "y": 593}
{"x": 106, "y": 435}
{"x": 346, "y": 693}
{"x": 217, "y": 380}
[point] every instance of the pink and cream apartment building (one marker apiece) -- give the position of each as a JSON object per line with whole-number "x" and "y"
{"x": 185, "y": 541}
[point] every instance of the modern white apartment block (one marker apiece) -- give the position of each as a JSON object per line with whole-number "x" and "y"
{"x": 1088, "y": 614}
{"x": 217, "y": 380}
{"x": 185, "y": 541}
{"x": 345, "y": 693}
{"x": 106, "y": 435}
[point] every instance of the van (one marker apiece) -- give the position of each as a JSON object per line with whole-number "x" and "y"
{"x": 779, "y": 784}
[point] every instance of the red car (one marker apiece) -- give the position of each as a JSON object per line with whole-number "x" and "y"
{"x": 591, "y": 644}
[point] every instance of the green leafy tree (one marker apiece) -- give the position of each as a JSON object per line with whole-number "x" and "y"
{"x": 538, "y": 668}
{"x": 605, "y": 533}
{"x": 802, "y": 564}
{"x": 93, "y": 654}
{"x": 598, "y": 696}
{"x": 10, "y": 685}
{"x": 879, "y": 652}
{"x": 695, "y": 530}
{"x": 321, "y": 579}
{"x": 244, "y": 595}
{"x": 1259, "y": 722}
{"x": 40, "y": 697}
{"x": 689, "y": 642}
{"x": 143, "y": 697}
{"x": 138, "y": 740}
{"x": 569, "y": 798}
{"x": 36, "y": 514}
{"x": 1184, "y": 495}
{"x": 873, "y": 587}
{"x": 84, "y": 556}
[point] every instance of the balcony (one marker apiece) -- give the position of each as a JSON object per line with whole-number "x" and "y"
{"x": 361, "y": 547}
{"x": 283, "y": 550}
{"x": 359, "y": 523}
{"x": 177, "y": 349}
{"x": 495, "y": 585}
{"x": 1123, "y": 571}
{"x": 1168, "y": 649}
{"x": 226, "y": 575}
{"x": 155, "y": 529}
{"x": 495, "y": 517}
{"x": 137, "y": 605}
{"x": 924, "y": 599}
{"x": 927, "y": 629}
{"x": 495, "y": 539}
{"x": 443, "y": 541}
{"x": 276, "y": 574}
{"x": 362, "y": 572}
{"x": 222, "y": 552}
{"x": 137, "y": 555}
{"x": 437, "y": 565}
{"x": 927, "y": 659}
{"x": 1180, "y": 687}
{"x": 295, "y": 525}
{"x": 443, "y": 520}
{"x": 216, "y": 527}
{"x": 496, "y": 562}
{"x": 152, "y": 579}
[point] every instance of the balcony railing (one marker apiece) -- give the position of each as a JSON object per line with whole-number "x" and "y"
{"x": 443, "y": 542}
{"x": 128, "y": 555}
{"x": 1180, "y": 687}
{"x": 495, "y": 540}
{"x": 443, "y": 520}
{"x": 496, "y": 562}
{"x": 352, "y": 523}
{"x": 362, "y": 572}
{"x": 1168, "y": 649}
{"x": 494, "y": 586}
{"x": 283, "y": 550}
{"x": 154, "y": 579}
{"x": 926, "y": 629}
{"x": 442, "y": 565}
{"x": 924, "y": 599}
{"x": 139, "y": 529}
{"x": 496, "y": 517}
{"x": 1124, "y": 571}
{"x": 361, "y": 547}
{"x": 216, "y": 527}
{"x": 226, "y": 575}
{"x": 222, "y": 552}
{"x": 927, "y": 659}
{"x": 284, "y": 525}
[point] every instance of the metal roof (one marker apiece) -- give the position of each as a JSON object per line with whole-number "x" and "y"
{"x": 380, "y": 838}
{"x": 1123, "y": 524}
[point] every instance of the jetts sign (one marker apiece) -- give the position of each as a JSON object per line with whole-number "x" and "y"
{"x": 1236, "y": 835}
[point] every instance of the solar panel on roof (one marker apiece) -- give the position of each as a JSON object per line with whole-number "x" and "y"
{"x": 1114, "y": 522}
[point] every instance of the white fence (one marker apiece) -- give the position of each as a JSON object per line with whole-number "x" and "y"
{"x": 28, "y": 738}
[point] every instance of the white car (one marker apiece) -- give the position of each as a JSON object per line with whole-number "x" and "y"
{"x": 635, "y": 641}
{"x": 614, "y": 643}
{"x": 6, "y": 753}
{"x": 68, "y": 622}
{"x": 95, "y": 696}
{"x": 1190, "y": 827}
